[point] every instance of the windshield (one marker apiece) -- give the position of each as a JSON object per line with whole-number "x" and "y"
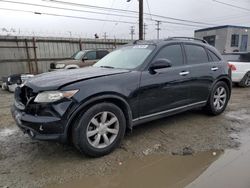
{"x": 78, "y": 55}
{"x": 128, "y": 57}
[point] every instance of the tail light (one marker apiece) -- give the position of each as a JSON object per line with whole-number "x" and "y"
{"x": 232, "y": 67}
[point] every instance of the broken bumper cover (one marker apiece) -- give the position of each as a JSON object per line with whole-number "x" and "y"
{"x": 39, "y": 127}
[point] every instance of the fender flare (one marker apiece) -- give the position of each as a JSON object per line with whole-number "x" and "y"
{"x": 101, "y": 98}
{"x": 222, "y": 78}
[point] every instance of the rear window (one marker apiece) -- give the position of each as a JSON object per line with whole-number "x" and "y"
{"x": 101, "y": 54}
{"x": 196, "y": 54}
{"x": 237, "y": 57}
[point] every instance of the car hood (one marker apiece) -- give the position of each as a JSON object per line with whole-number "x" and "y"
{"x": 68, "y": 62}
{"x": 58, "y": 79}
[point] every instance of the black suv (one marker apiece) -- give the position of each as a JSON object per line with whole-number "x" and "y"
{"x": 140, "y": 82}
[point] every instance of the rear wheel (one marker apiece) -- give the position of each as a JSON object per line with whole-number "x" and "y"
{"x": 99, "y": 130}
{"x": 245, "y": 82}
{"x": 218, "y": 99}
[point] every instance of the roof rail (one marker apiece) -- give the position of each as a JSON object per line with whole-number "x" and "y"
{"x": 187, "y": 38}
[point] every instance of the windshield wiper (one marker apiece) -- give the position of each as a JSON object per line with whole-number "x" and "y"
{"x": 108, "y": 67}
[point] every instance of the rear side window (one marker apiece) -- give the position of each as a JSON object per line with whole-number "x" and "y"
{"x": 213, "y": 56}
{"x": 101, "y": 54}
{"x": 91, "y": 55}
{"x": 196, "y": 54}
{"x": 172, "y": 53}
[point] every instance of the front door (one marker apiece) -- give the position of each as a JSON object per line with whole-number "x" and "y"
{"x": 167, "y": 88}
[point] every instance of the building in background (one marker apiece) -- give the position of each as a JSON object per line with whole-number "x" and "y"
{"x": 226, "y": 38}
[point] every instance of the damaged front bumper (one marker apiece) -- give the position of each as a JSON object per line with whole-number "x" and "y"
{"x": 39, "y": 127}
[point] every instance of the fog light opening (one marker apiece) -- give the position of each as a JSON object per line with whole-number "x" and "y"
{"x": 31, "y": 133}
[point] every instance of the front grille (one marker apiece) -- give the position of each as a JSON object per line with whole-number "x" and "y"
{"x": 27, "y": 95}
{"x": 24, "y": 99}
{"x": 52, "y": 66}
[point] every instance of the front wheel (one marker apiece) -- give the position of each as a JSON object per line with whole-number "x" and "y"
{"x": 218, "y": 99}
{"x": 100, "y": 130}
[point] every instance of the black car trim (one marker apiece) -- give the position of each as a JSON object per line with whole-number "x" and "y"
{"x": 167, "y": 111}
{"x": 95, "y": 99}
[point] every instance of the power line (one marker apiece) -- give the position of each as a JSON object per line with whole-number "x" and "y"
{"x": 149, "y": 11}
{"x": 231, "y": 5}
{"x": 67, "y": 16}
{"x": 94, "y": 19}
{"x": 122, "y": 10}
{"x": 102, "y": 13}
{"x": 61, "y": 8}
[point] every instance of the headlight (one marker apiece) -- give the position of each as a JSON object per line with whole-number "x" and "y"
{"x": 60, "y": 66}
{"x": 53, "y": 96}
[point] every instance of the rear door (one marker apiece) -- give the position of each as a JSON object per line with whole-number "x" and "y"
{"x": 202, "y": 71}
{"x": 91, "y": 58}
{"x": 167, "y": 88}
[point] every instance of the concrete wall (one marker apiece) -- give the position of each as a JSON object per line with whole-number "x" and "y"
{"x": 223, "y": 38}
{"x": 34, "y": 55}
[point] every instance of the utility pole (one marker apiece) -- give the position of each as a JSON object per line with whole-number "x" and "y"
{"x": 105, "y": 36}
{"x": 158, "y": 28}
{"x": 144, "y": 31}
{"x": 132, "y": 32}
{"x": 140, "y": 19}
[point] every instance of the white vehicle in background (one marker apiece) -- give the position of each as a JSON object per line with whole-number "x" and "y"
{"x": 11, "y": 82}
{"x": 240, "y": 65}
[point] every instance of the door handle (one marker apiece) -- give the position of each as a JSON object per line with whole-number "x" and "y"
{"x": 214, "y": 68}
{"x": 184, "y": 73}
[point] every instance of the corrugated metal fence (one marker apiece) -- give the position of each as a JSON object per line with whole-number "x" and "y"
{"x": 33, "y": 55}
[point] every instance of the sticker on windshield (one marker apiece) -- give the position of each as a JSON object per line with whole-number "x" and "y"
{"x": 141, "y": 46}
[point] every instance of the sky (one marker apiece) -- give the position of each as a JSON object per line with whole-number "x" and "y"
{"x": 210, "y": 12}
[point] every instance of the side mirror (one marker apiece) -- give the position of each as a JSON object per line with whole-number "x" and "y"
{"x": 160, "y": 64}
{"x": 84, "y": 58}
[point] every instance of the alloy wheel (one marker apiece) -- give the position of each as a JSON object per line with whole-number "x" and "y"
{"x": 247, "y": 81}
{"x": 102, "y": 130}
{"x": 220, "y": 97}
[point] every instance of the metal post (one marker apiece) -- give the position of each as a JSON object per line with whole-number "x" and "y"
{"x": 35, "y": 55}
{"x": 80, "y": 45}
{"x": 28, "y": 57}
{"x": 158, "y": 29}
{"x": 140, "y": 19}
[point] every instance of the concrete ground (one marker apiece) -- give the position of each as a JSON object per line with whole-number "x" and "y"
{"x": 28, "y": 163}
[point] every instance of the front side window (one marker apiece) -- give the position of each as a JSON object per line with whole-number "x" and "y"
{"x": 213, "y": 56}
{"x": 78, "y": 55}
{"x": 196, "y": 54}
{"x": 235, "y": 40}
{"x": 129, "y": 57}
{"x": 172, "y": 53}
{"x": 90, "y": 55}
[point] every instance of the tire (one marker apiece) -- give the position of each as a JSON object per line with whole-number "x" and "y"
{"x": 99, "y": 130}
{"x": 245, "y": 82}
{"x": 217, "y": 102}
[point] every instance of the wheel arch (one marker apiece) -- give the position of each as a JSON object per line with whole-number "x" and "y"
{"x": 112, "y": 98}
{"x": 225, "y": 79}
